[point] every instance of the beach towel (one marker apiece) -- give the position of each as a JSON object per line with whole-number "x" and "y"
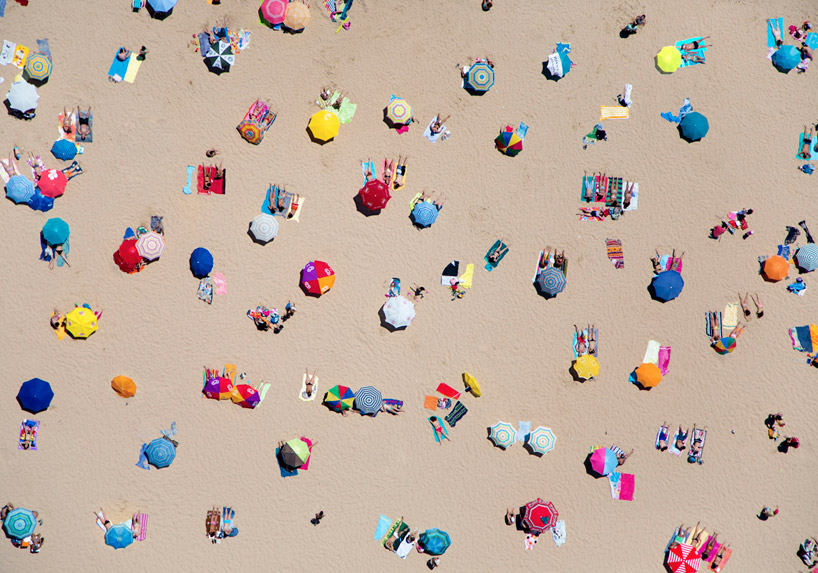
{"x": 659, "y": 437}
{"x": 666, "y": 261}
{"x": 404, "y": 548}
{"x": 61, "y": 133}
{"x": 530, "y": 541}
{"x": 306, "y": 465}
{"x": 438, "y": 439}
{"x": 2, "y": 8}
{"x": 812, "y": 40}
{"x": 390, "y": 530}
{"x": 133, "y": 68}
{"x": 430, "y": 403}
{"x": 89, "y": 138}
{"x": 614, "y": 112}
{"x": 35, "y": 428}
{"x": 18, "y": 60}
{"x": 664, "y": 359}
{"x": 285, "y": 473}
{"x": 383, "y": 526}
{"x": 433, "y": 137}
{"x": 729, "y": 320}
{"x": 626, "y": 97}
{"x": 7, "y": 52}
{"x": 699, "y": 52}
{"x": 697, "y": 433}
{"x": 588, "y": 182}
{"x": 708, "y": 328}
{"x": 205, "y": 290}
{"x": 632, "y": 206}
{"x": 522, "y": 131}
{"x": 302, "y": 394}
{"x": 450, "y": 272}
{"x": 683, "y": 111}
{"x": 143, "y": 526}
{"x": 804, "y": 338}
{"x": 490, "y": 266}
{"x": 118, "y": 68}
{"x": 456, "y": 414}
{"x": 143, "y": 459}
{"x": 778, "y": 24}
{"x": 616, "y": 190}
{"x": 558, "y": 533}
{"x": 712, "y": 554}
{"x": 651, "y": 353}
{"x": 813, "y": 149}
{"x": 671, "y": 445}
{"x": 219, "y": 284}
{"x": 622, "y": 486}
{"x": 724, "y": 558}
{"x": 523, "y": 429}
{"x": 370, "y": 167}
{"x": 586, "y": 338}
{"x": 216, "y": 185}
{"x": 295, "y": 209}
{"x": 190, "y": 171}
{"x": 615, "y": 255}
{"x": 448, "y": 391}
{"x": 393, "y": 402}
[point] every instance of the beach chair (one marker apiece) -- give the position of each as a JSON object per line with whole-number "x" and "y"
{"x": 698, "y": 434}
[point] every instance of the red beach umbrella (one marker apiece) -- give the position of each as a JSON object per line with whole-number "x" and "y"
{"x": 684, "y": 558}
{"x": 52, "y": 183}
{"x": 127, "y": 256}
{"x": 375, "y": 195}
{"x": 539, "y": 515}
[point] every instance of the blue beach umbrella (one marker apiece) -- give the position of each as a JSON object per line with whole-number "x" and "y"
{"x": 807, "y": 257}
{"x": 368, "y": 400}
{"x": 479, "y": 78}
{"x": 160, "y": 452}
{"x": 201, "y": 262}
{"x": 551, "y": 281}
{"x": 64, "y": 149}
{"x": 435, "y": 541}
{"x": 35, "y": 395}
{"x": 667, "y": 285}
{"x": 786, "y": 58}
{"x": 40, "y": 202}
{"x": 19, "y": 189}
{"x": 161, "y": 9}
{"x": 19, "y": 523}
{"x": 693, "y": 127}
{"x": 424, "y": 214}
{"x": 119, "y": 536}
{"x": 55, "y": 231}
{"x": 603, "y": 461}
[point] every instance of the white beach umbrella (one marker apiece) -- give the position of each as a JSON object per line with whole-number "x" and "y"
{"x": 22, "y": 96}
{"x": 399, "y": 311}
{"x": 264, "y": 227}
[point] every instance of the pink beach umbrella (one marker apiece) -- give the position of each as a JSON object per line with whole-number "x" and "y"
{"x": 273, "y": 11}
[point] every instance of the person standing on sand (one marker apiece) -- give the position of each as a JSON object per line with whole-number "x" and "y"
{"x": 766, "y": 513}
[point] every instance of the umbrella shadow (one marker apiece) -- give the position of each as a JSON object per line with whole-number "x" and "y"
{"x": 547, "y": 73}
{"x": 652, "y": 292}
{"x": 573, "y": 373}
{"x": 386, "y": 325}
{"x": 363, "y": 209}
{"x": 315, "y": 139}
{"x": 546, "y": 295}
{"x": 253, "y": 237}
{"x": 632, "y": 379}
{"x": 589, "y": 469}
{"x": 687, "y": 139}
{"x": 527, "y": 447}
{"x": 16, "y": 113}
{"x": 159, "y": 15}
{"x": 475, "y": 92}
{"x": 488, "y": 437}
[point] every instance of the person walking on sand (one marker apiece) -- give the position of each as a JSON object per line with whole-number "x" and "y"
{"x": 766, "y": 513}
{"x": 318, "y": 517}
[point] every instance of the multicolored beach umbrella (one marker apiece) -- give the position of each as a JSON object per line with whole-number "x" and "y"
{"x": 273, "y": 11}
{"x": 399, "y": 112}
{"x": 551, "y": 281}
{"x": 541, "y": 441}
{"x": 296, "y": 16}
{"x": 434, "y": 541}
{"x": 683, "y": 558}
{"x": 317, "y": 277}
{"x": 56, "y": 231}
{"x": 807, "y": 257}
{"x": 219, "y": 57}
{"x": 374, "y": 195}
{"x": 218, "y": 388}
{"x": 245, "y": 396}
{"x": 264, "y": 227}
{"x": 22, "y": 96}
{"x": 160, "y": 452}
{"x": 150, "y": 245}
{"x": 479, "y": 78}
{"x": 19, "y": 189}
{"x": 508, "y": 142}
{"x": 119, "y": 536}
{"x": 725, "y": 345}
{"x": 38, "y": 68}
{"x": 502, "y": 434}
{"x": 19, "y": 523}
{"x": 368, "y": 400}
{"x": 339, "y": 398}
{"x": 667, "y": 285}
{"x": 324, "y": 125}
{"x": 64, "y": 149}
{"x": 424, "y": 214}
{"x": 251, "y": 130}
{"x": 693, "y": 127}
{"x": 81, "y": 322}
{"x": 52, "y": 183}
{"x": 603, "y": 461}
{"x": 398, "y": 311}
{"x": 35, "y": 395}
{"x": 294, "y": 453}
{"x": 586, "y": 367}
{"x": 539, "y": 515}
{"x": 669, "y": 59}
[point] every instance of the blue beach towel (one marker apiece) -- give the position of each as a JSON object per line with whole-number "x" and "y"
{"x": 384, "y": 523}
{"x": 284, "y": 471}
{"x": 522, "y": 130}
{"x": 369, "y": 166}
{"x": 683, "y": 111}
{"x": 523, "y": 429}
{"x": 813, "y": 150}
{"x": 812, "y": 40}
{"x": 456, "y": 414}
{"x": 143, "y": 459}
{"x": 563, "y": 48}
{"x": 42, "y": 45}
{"x": 778, "y": 24}
{"x": 700, "y": 52}
{"x": 118, "y": 67}
{"x": 490, "y": 266}
{"x": 2, "y": 8}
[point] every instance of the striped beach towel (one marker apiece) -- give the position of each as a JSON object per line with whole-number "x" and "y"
{"x": 456, "y": 414}
{"x": 615, "y": 254}
{"x": 614, "y": 112}
{"x": 143, "y": 526}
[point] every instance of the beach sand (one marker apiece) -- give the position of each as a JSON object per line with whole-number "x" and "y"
{"x": 515, "y": 343}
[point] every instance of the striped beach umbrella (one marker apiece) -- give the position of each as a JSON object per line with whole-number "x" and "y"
{"x": 273, "y": 11}
{"x": 160, "y": 452}
{"x": 38, "y": 68}
{"x": 586, "y": 367}
{"x": 35, "y": 395}
{"x": 317, "y": 277}
{"x": 245, "y": 396}
{"x": 52, "y": 183}
{"x": 339, "y": 398}
{"x": 55, "y": 231}
{"x": 19, "y": 189}
{"x": 264, "y": 227}
{"x": 22, "y": 96}
{"x": 508, "y": 142}
{"x": 81, "y": 322}
{"x": 119, "y": 536}
{"x": 219, "y": 57}
{"x": 399, "y": 311}
{"x": 19, "y": 523}
{"x": 539, "y": 515}
{"x": 551, "y": 281}
{"x": 218, "y": 388}
{"x": 502, "y": 434}
{"x": 151, "y": 245}
{"x": 324, "y": 125}
{"x": 807, "y": 257}
{"x": 368, "y": 400}
{"x": 375, "y": 195}
{"x": 424, "y": 214}
{"x": 64, "y": 149}
{"x": 541, "y": 441}
{"x": 399, "y": 112}
{"x": 252, "y": 131}
{"x": 479, "y": 78}
{"x": 683, "y": 558}
{"x": 296, "y": 16}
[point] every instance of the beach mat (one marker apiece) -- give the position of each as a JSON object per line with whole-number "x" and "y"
{"x": 143, "y": 526}
{"x": 72, "y": 119}
{"x": 307, "y": 441}
{"x": 88, "y": 138}
{"x": 457, "y": 413}
{"x": 778, "y": 24}
{"x": 812, "y": 40}
{"x": 430, "y": 403}
{"x": 35, "y": 429}
{"x": 428, "y": 132}
{"x": 700, "y": 52}
{"x": 671, "y": 445}
{"x": 813, "y": 150}
{"x": 634, "y": 204}
{"x": 588, "y": 180}
{"x": 284, "y": 471}
{"x": 302, "y": 394}
{"x": 118, "y": 68}
{"x": 448, "y": 391}
{"x": 614, "y": 112}
{"x": 615, "y": 254}
{"x": 622, "y": 485}
{"x": 730, "y": 317}
{"x": 383, "y": 526}
{"x": 133, "y": 68}
{"x": 490, "y": 266}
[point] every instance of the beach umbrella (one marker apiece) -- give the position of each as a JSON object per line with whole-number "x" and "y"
{"x": 776, "y": 268}
{"x": 22, "y": 96}
{"x": 251, "y": 130}
{"x": 19, "y": 189}
{"x": 424, "y": 214}
{"x": 786, "y": 58}
{"x": 399, "y": 112}
{"x": 508, "y": 142}
{"x": 160, "y": 452}
{"x": 667, "y": 285}
{"x": 19, "y": 523}
{"x": 150, "y": 245}
{"x": 693, "y": 127}
{"x": 201, "y": 262}
{"x": 399, "y": 311}
{"x": 294, "y": 454}
{"x": 551, "y": 281}
{"x": 123, "y": 386}
{"x": 479, "y": 78}
{"x": 55, "y": 231}
{"x": 317, "y": 277}
{"x": 119, "y": 536}
{"x": 558, "y": 65}
{"x": 541, "y": 441}
{"x": 472, "y": 385}
{"x": 81, "y": 322}
{"x": 219, "y": 57}
{"x": 38, "y": 68}
{"x": 434, "y": 541}
{"x": 725, "y": 345}
{"x": 539, "y": 515}
{"x": 503, "y": 434}
{"x": 296, "y": 16}
{"x": 218, "y": 388}
{"x": 161, "y": 9}
{"x": 375, "y": 195}
{"x": 807, "y": 257}
{"x": 324, "y": 125}
{"x": 40, "y": 202}
{"x": 603, "y": 461}
{"x": 669, "y": 59}
{"x": 339, "y": 398}
{"x": 683, "y": 558}
{"x": 274, "y": 11}
{"x": 368, "y": 400}
{"x": 648, "y": 375}
{"x": 52, "y": 183}
{"x": 64, "y": 149}
{"x": 264, "y": 227}
{"x": 127, "y": 256}
{"x": 245, "y": 396}
{"x": 35, "y": 395}
{"x": 586, "y": 367}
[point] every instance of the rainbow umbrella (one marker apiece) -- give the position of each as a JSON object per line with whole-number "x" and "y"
{"x": 218, "y": 388}
{"x": 273, "y": 11}
{"x": 151, "y": 245}
{"x": 38, "y": 68}
{"x": 541, "y": 441}
{"x": 539, "y": 515}
{"x": 479, "y": 78}
{"x": 669, "y": 59}
{"x": 317, "y": 277}
{"x": 725, "y": 345}
{"x": 19, "y": 189}
{"x": 81, "y": 322}
{"x": 508, "y": 142}
{"x": 245, "y": 396}
{"x": 160, "y": 452}
{"x": 339, "y": 398}
{"x": 119, "y": 536}
{"x": 374, "y": 195}
{"x": 296, "y": 16}
{"x": 399, "y": 112}
{"x": 603, "y": 461}
{"x": 19, "y": 523}
{"x": 502, "y": 434}
{"x": 324, "y": 125}
{"x": 251, "y": 130}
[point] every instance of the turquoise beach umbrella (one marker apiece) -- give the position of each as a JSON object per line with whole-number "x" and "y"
{"x": 56, "y": 231}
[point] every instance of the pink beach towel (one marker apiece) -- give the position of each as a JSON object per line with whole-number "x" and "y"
{"x": 219, "y": 284}
{"x": 143, "y": 526}
{"x": 664, "y": 359}
{"x": 307, "y": 441}
{"x": 712, "y": 554}
{"x": 627, "y": 484}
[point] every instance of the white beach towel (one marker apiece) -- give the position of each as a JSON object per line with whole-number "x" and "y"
{"x": 652, "y": 353}
{"x": 428, "y": 133}
{"x": 558, "y": 533}
{"x": 302, "y": 395}
{"x": 404, "y": 548}
{"x": 634, "y": 197}
{"x": 7, "y": 53}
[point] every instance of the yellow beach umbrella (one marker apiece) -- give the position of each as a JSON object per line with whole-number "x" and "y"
{"x": 324, "y": 125}
{"x": 81, "y": 322}
{"x": 669, "y": 59}
{"x": 586, "y": 367}
{"x": 297, "y": 16}
{"x": 472, "y": 385}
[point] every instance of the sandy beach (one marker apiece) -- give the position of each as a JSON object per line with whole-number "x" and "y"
{"x": 517, "y": 344}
